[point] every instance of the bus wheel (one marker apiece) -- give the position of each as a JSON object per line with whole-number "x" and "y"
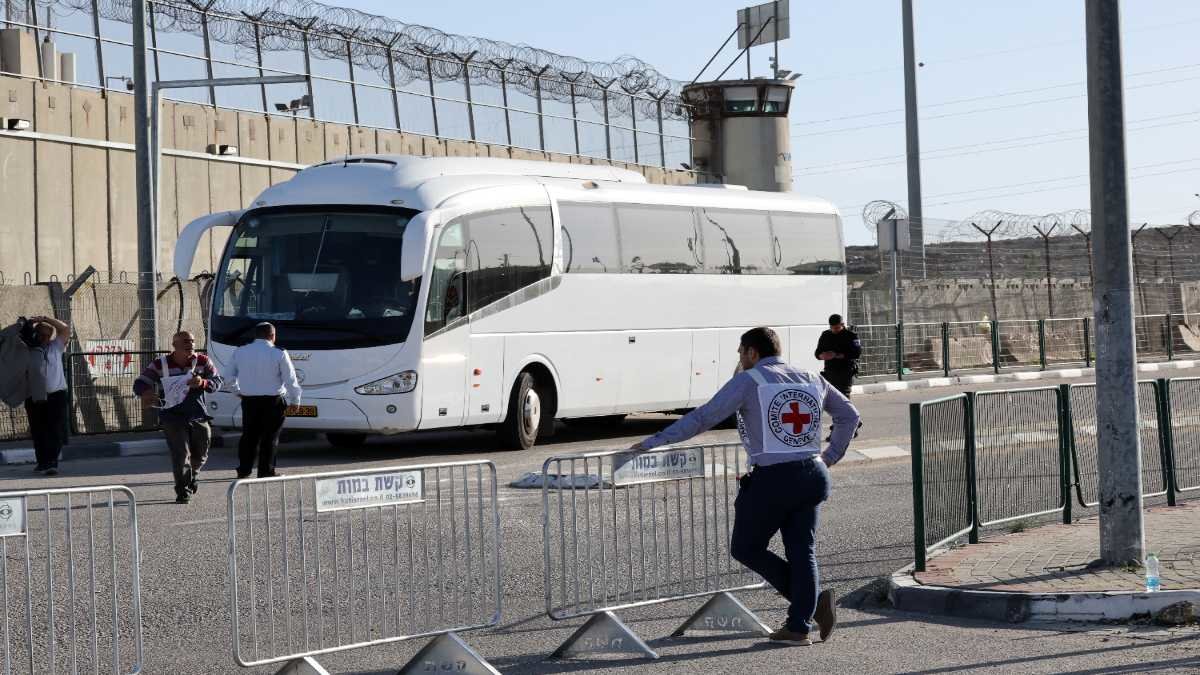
{"x": 347, "y": 441}
{"x": 520, "y": 428}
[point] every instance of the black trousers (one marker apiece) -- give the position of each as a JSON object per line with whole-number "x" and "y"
{"x": 48, "y": 427}
{"x": 841, "y": 380}
{"x": 262, "y": 420}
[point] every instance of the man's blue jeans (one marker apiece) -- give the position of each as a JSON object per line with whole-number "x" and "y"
{"x": 783, "y": 498}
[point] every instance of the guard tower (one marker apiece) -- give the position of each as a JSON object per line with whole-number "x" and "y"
{"x": 741, "y": 134}
{"x": 740, "y": 127}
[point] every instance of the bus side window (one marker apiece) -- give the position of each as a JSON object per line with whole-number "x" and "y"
{"x": 589, "y": 238}
{"x": 807, "y": 244}
{"x": 447, "y": 298}
{"x": 737, "y": 242}
{"x": 659, "y": 239}
{"x": 507, "y": 251}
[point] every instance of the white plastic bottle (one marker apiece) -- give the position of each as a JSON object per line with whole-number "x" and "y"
{"x": 1152, "y": 569}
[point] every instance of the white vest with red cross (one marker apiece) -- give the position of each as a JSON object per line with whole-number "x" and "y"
{"x": 791, "y": 415}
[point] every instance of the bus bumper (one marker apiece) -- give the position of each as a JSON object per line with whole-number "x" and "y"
{"x": 363, "y": 414}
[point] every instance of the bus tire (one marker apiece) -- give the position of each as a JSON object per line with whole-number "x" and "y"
{"x": 347, "y": 441}
{"x": 520, "y": 428}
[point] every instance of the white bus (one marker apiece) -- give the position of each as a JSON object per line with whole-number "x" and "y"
{"x": 424, "y": 293}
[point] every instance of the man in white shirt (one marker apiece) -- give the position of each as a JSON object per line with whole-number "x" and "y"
{"x": 47, "y": 402}
{"x": 263, "y": 376}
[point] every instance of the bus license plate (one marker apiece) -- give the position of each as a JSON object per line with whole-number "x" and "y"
{"x": 302, "y": 411}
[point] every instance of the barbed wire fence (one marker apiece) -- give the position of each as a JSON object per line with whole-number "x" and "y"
{"x": 1007, "y": 266}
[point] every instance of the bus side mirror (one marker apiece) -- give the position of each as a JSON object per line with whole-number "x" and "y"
{"x": 189, "y": 238}
{"x": 417, "y": 234}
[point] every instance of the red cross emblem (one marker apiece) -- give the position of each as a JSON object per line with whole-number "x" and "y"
{"x": 797, "y": 419}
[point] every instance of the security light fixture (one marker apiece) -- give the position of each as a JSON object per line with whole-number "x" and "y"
{"x": 222, "y": 149}
{"x": 120, "y": 78}
{"x": 14, "y": 124}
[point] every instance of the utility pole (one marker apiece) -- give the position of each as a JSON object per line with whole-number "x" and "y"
{"x": 147, "y": 239}
{"x": 1120, "y": 459}
{"x": 912, "y": 132}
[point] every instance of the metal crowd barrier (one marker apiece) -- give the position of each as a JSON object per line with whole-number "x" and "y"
{"x": 629, "y": 529}
{"x": 69, "y": 581}
{"x": 1081, "y": 410}
{"x": 1181, "y": 397}
{"x": 326, "y": 562}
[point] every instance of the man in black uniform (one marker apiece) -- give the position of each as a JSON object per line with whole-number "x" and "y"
{"x": 839, "y": 348}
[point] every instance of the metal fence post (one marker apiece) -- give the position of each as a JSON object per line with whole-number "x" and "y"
{"x": 1166, "y": 436}
{"x": 995, "y": 346}
{"x": 969, "y": 450}
{"x": 1087, "y": 342}
{"x": 899, "y": 350}
{"x": 918, "y": 482}
{"x": 1168, "y": 338}
{"x": 1064, "y": 450}
{"x": 1042, "y": 342}
{"x": 946, "y": 348}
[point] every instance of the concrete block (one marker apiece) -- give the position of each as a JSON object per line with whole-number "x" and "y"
{"x": 122, "y": 212}
{"x": 501, "y": 151}
{"x": 310, "y": 142}
{"x": 224, "y": 128}
{"x": 18, "y": 254}
{"x": 253, "y": 140}
{"x": 16, "y": 98}
{"x": 18, "y": 52}
{"x": 362, "y": 141}
{"x": 24, "y": 300}
{"x": 119, "y": 117}
{"x": 337, "y": 140}
{"x": 560, "y": 158}
{"x": 433, "y": 147}
{"x": 168, "y": 215}
{"x": 52, "y": 106}
{"x": 655, "y": 175}
{"x": 193, "y": 128}
{"x": 89, "y": 187}
{"x": 389, "y": 142}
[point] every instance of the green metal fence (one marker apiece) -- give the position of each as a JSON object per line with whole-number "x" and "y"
{"x": 987, "y": 458}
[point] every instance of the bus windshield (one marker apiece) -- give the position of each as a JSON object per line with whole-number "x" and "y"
{"x": 328, "y": 278}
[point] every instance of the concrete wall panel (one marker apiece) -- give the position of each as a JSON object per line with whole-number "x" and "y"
{"x": 225, "y": 194}
{"x": 460, "y": 149}
{"x": 282, "y": 137}
{"x": 412, "y": 144}
{"x": 362, "y": 141}
{"x": 16, "y": 98}
{"x": 89, "y": 189}
{"x": 310, "y": 142}
{"x": 253, "y": 140}
{"x": 18, "y": 255}
{"x": 433, "y": 147}
{"x": 501, "y": 151}
{"x": 255, "y": 179}
{"x": 122, "y": 205}
{"x": 168, "y": 217}
{"x": 337, "y": 140}
{"x": 194, "y": 195}
{"x": 192, "y": 128}
{"x": 389, "y": 143}
{"x": 225, "y": 128}
{"x": 55, "y": 224}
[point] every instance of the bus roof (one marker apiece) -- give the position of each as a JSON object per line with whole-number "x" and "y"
{"x": 422, "y": 183}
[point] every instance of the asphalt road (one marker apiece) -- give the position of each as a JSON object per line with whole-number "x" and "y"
{"x": 865, "y": 534}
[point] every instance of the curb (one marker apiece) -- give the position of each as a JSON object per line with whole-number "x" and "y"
{"x": 135, "y": 448}
{"x": 909, "y": 595}
{"x": 1020, "y": 376}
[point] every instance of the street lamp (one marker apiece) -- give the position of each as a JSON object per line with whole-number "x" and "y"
{"x": 120, "y": 78}
{"x": 295, "y": 105}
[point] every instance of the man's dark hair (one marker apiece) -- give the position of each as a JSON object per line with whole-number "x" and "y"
{"x": 263, "y": 330}
{"x": 835, "y": 319}
{"x": 763, "y": 340}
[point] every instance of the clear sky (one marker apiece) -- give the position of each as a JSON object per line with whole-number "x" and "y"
{"x": 1002, "y": 91}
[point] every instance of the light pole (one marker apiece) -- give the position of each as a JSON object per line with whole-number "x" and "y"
{"x": 1119, "y": 461}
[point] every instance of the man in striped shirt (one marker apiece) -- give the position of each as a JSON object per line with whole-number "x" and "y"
{"x": 183, "y": 377}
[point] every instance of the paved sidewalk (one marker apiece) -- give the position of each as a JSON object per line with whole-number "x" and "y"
{"x": 1046, "y": 573}
{"x": 883, "y": 384}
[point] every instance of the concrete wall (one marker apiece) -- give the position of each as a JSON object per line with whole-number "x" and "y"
{"x": 68, "y": 205}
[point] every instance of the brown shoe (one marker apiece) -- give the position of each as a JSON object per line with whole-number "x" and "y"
{"x": 826, "y": 614}
{"x": 784, "y": 636}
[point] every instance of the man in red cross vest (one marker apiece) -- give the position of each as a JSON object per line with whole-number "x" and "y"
{"x": 779, "y": 409}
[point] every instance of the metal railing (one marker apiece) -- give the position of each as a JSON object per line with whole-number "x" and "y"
{"x": 326, "y": 562}
{"x": 993, "y": 457}
{"x": 70, "y": 588}
{"x": 957, "y": 346}
{"x": 628, "y": 529}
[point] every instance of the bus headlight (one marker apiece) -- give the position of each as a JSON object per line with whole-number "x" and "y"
{"x": 400, "y": 383}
